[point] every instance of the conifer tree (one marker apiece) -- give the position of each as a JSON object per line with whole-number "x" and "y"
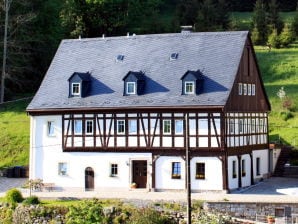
{"x": 259, "y": 22}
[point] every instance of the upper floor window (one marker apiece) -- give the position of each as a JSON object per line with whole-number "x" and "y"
{"x": 253, "y": 125}
{"x": 75, "y": 89}
{"x": 51, "y": 128}
{"x": 244, "y": 89}
{"x": 249, "y": 89}
{"x": 78, "y": 127}
{"x": 253, "y": 89}
{"x": 189, "y": 87}
{"x": 132, "y": 126}
{"x": 131, "y": 88}
{"x": 167, "y": 126}
{"x": 120, "y": 126}
{"x": 231, "y": 126}
{"x": 176, "y": 170}
{"x": 200, "y": 171}
{"x": 89, "y": 126}
{"x": 179, "y": 127}
{"x": 240, "y": 126}
{"x": 240, "y": 90}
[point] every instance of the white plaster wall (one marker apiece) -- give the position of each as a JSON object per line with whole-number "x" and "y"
{"x": 163, "y": 170}
{"x": 213, "y": 174}
{"x": 264, "y": 163}
{"x": 233, "y": 182}
{"x": 276, "y": 153}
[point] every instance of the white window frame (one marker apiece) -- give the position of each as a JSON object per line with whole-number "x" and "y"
{"x": 127, "y": 88}
{"x": 253, "y": 89}
{"x": 114, "y": 167}
{"x": 132, "y": 126}
{"x": 178, "y": 126}
{"x": 120, "y": 125}
{"x": 167, "y": 123}
{"x": 88, "y": 122}
{"x": 231, "y": 126}
{"x": 51, "y": 128}
{"x": 249, "y": 89}
{"x": 253, "y": 125}
{"x": 190, "y": 84}
{"x": 240, "y": 89}
{"x": 73, "y": 88}
{"x": 244, "y": 89}
{"x": 240, "y": 126}
{"x": 62, "y": 169}
{"x": 78, "y": 130}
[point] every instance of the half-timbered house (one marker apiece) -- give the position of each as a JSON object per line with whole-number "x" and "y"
{"x": 118, "y": 110}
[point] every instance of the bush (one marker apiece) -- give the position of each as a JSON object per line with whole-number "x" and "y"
{"x": 148, "y": 216}
{"x": 32, "y": 200}
{"x": 6, "y": 215}
{"x": 14, "y": 196}
{"x": 273, "y": 39}
{"x": 286, "y": 115}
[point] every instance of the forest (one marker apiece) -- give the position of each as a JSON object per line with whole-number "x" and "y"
{"x": 36, "y": 27}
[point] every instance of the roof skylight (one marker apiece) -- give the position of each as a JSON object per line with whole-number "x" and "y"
{"x": 120, "y": 57}
{"x": 174, "y": 56}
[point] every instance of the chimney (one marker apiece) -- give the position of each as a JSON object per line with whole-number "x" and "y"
{"x": 186, "y": 29}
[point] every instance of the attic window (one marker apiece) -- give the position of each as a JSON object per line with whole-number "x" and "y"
{"x": 131, "y": 88}
{"x": 120, "y": 57}
{"x": 173, "y": 56}
{"x": 189, "y": 87}
{"x": 75, "y": 89}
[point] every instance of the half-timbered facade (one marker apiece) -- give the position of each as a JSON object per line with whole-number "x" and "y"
{"x": 113, "y": 111}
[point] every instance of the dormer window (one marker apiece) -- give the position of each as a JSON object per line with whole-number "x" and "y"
{"x": 192, "y": 82}
{"x": 134, "y": 83}
{"x": 75, "y": 89}
{"x": 173, "y": 56}
{"x": 79, "y": 84}
{"x": 189, "y": 87}
{"x": 131, "y": 88}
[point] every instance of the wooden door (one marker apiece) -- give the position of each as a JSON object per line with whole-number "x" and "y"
{"x": 89, "y": 179}
{"x": 139, "y": 173}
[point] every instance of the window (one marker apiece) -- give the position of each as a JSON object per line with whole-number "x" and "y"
{"x": 179, "y": 127}
{"x": 120, "y": 57}
{"x": 258, "y": 166}
{"x": 131, "y": 88}
{"x": 114, "y": 170}
{"x": 176, "y": 170}
{"x": 132, "y": 126}
{"x": 261, "y": 125}
{"x": 253, "y": 125}
{"x": 234, "y": 169}
{"x": 244, "y": 89}
{"x": 78, "y": 126}
{"x": 120, "y": 126}
{"x": 89, "y": 126}
{"x": 167, "y": 126}
{"x": 51, "y": 128}
{"x": 253, "y": 89}
{"x": 62, "y": 169}
{"x": 189, "y": 87}
{"x": 240, "y": 124}
{"x": 200, "y": 171}
{"x": 249, "y": 89}
{"x": 75, "y": 89}
{"x": 231, "y": 126}
{"x": 243, "y": 170}
{"x": 240, "y": 88}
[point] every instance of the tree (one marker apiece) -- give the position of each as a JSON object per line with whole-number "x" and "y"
{"x": 286, "y": 37}
{"x": 259, "y": 22}
{"x": 294, "y": 24}
{"x": 273, "y": 17}
{"x": 273, "y": 39}
{"x": 206, "y": 19}
{"x": 187, "y": 11}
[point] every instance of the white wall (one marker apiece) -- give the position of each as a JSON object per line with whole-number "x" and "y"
{"x": 264, "y": 163}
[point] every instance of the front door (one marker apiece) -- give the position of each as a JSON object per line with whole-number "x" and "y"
{"x": 139, "y": 171}
{"x": 89, "y": 179}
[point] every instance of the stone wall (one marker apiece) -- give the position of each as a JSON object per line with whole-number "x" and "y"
{"x": 250, "y": 210}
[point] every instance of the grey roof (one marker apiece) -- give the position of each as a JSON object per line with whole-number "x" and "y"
{"x": 216, "y": 54}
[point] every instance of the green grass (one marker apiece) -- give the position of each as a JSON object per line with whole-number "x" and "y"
{"x": 14, "y": 134}
{"x": 279, "y": 68}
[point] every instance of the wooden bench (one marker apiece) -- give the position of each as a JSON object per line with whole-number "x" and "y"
{"x": 48, "y": 186}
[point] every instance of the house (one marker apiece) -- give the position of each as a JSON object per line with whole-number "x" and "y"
{"x": 121, "y": 110}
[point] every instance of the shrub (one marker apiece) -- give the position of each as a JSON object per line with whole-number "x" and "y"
{"x": 148, "y": 216}
{"x": 32, "y": 200}
{"x": 6, "y": 215}
{"x": 286, "y": 115}
{"x": 273, "y": 39}
{"x": 13, "y": 196}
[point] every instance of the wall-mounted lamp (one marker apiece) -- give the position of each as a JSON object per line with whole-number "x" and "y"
{"x": 127, "y": 163}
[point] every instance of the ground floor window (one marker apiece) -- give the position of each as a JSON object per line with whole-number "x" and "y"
{"x": 243, "y": 170}
{"x": 114, "y": 169}
{"x": 200, "y": 171}
{"x": 62, "y": 168}
{"x": 258, "y": 166}
{"x": 234, "y": 169}
{"x": 176, "y": 170}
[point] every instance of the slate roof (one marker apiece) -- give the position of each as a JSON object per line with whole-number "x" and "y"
{"x": 216, "y": 54}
